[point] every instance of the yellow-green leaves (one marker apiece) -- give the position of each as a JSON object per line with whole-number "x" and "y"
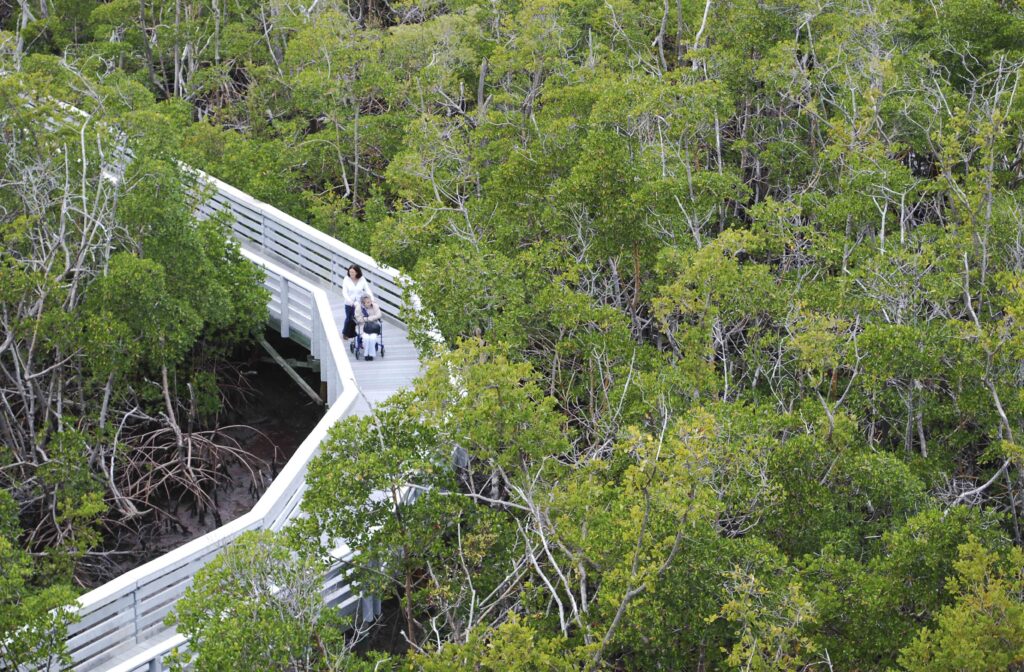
{"x": 984, "y": 628}
{"x": 258, "y": 605}
{"x": 770, "y": 622}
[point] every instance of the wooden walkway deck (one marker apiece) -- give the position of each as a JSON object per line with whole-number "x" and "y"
{"x": 379, "y": 379}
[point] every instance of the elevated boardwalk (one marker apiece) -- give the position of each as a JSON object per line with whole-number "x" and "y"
{"x": 376, "y": 380}
{"x": 121, "y": 627}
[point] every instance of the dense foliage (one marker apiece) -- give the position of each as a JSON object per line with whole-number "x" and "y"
{"x": 731, "y": 294}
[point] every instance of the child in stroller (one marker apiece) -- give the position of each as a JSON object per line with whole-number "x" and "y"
{"x": 368, "y": 328}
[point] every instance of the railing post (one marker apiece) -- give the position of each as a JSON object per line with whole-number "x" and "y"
{"x": 325, "y": 376}
{"x": 135, "y": 613}
{"x": 263, "y": 231}
{"x": 315, "y": 339}
{"x": 285, "y": 309}
{"x": 328, "y": 371}
{"x": 156, "y": 664}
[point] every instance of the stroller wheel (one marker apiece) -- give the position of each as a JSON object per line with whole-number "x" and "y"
{"x": 382, "y": 352}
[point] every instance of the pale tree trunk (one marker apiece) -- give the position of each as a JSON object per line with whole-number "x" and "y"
{"x": 661, "y": 35}
{"x": 481, "y": 102}
{"x": 216, "y": 31}
{"x": 177, "y": 48}
{"x": 355, "y": 157}
{"x": 147, "y": 50}
{"x": 679, "y": 32}
{"x": 23, "y": 20}
{"x": 700, "y": 32}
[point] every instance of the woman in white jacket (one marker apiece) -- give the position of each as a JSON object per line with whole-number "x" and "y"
{"x": 352, "y": 287}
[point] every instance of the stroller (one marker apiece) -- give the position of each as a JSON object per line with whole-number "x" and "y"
{"x": 357, "y": 345}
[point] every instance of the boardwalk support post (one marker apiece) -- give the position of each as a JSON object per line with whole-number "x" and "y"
{"x": 291, "y": 372}
{"x": 285, "y": 310}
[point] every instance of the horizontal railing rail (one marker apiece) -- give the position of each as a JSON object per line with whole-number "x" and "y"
{"x": 279, "y": 235}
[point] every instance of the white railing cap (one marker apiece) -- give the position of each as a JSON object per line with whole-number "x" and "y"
{"x": 347, "y": 251}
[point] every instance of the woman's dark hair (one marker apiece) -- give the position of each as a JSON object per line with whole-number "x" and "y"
{"x": 359, "y": 271}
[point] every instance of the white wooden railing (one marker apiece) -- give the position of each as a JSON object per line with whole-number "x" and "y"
{"x": 279, "y": 235}
{"x": 121, "y": 616}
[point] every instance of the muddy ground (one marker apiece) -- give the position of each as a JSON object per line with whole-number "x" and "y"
{"x": 280, "y": 416}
